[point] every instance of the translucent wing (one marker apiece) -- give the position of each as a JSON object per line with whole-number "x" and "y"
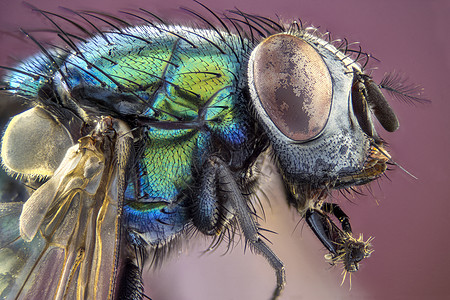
{"x": 63, "y": 242}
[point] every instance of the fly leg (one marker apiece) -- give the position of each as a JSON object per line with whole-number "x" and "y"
{"x": 341, "y": 243}
{"x": 334, "y": 209}
{"x": 209, "y": 213}
{"x": 324, "y": 229}
{"x": 221, "y": 177}
{"x": 131, "y": 287}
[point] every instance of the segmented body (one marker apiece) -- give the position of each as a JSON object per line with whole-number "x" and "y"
{"x": 144, "y": 133}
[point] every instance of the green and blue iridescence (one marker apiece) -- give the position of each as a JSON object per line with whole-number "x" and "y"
{"x": 180, "y": 80}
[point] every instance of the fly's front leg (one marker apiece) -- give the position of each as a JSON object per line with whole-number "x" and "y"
{"x": 324, "y": 229}
{"x": 224, "y": 179}
{"x": 334, "y": 209}
{"x": 341, "y": 243}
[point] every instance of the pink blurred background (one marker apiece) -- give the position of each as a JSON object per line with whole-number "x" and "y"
{"x": 410, "y": 219}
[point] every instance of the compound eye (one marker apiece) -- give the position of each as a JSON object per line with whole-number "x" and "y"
{"x": 293, "y": 86}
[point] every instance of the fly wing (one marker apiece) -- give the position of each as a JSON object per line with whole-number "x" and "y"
{"x": 63, "y": 242}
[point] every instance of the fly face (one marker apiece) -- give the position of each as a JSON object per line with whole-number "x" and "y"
{"x": 304, "y": 93}
{"x": 138, "y": 136}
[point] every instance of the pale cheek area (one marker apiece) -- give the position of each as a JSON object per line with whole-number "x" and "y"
{"x": 411, "y": 221}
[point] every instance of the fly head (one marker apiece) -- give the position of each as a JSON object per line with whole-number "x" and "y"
{"x": 315, "y": 104}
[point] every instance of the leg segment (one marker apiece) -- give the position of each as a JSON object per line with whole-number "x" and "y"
{"x": 206, "y": 214}
{"x": 131, "y": 287}
{"x": 342, "y": 245}
{"x": 233, "y": 198}
{"x": 325, "y": 230}
{"x": 334, "y": 209}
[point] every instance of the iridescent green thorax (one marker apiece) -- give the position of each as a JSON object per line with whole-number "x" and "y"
{"x": 185, "y": 80}
{"x": 198, "y": 87}
{"x": 190, "y": 88}
{"x": 179, "y": 88}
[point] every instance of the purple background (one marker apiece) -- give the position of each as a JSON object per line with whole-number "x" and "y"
{"x": 408, "y": 218}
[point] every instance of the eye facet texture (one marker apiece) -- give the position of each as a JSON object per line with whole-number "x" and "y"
{"x": 293, "y": 85}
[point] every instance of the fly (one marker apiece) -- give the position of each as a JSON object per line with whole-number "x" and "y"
{"x": 137, "y": 135}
